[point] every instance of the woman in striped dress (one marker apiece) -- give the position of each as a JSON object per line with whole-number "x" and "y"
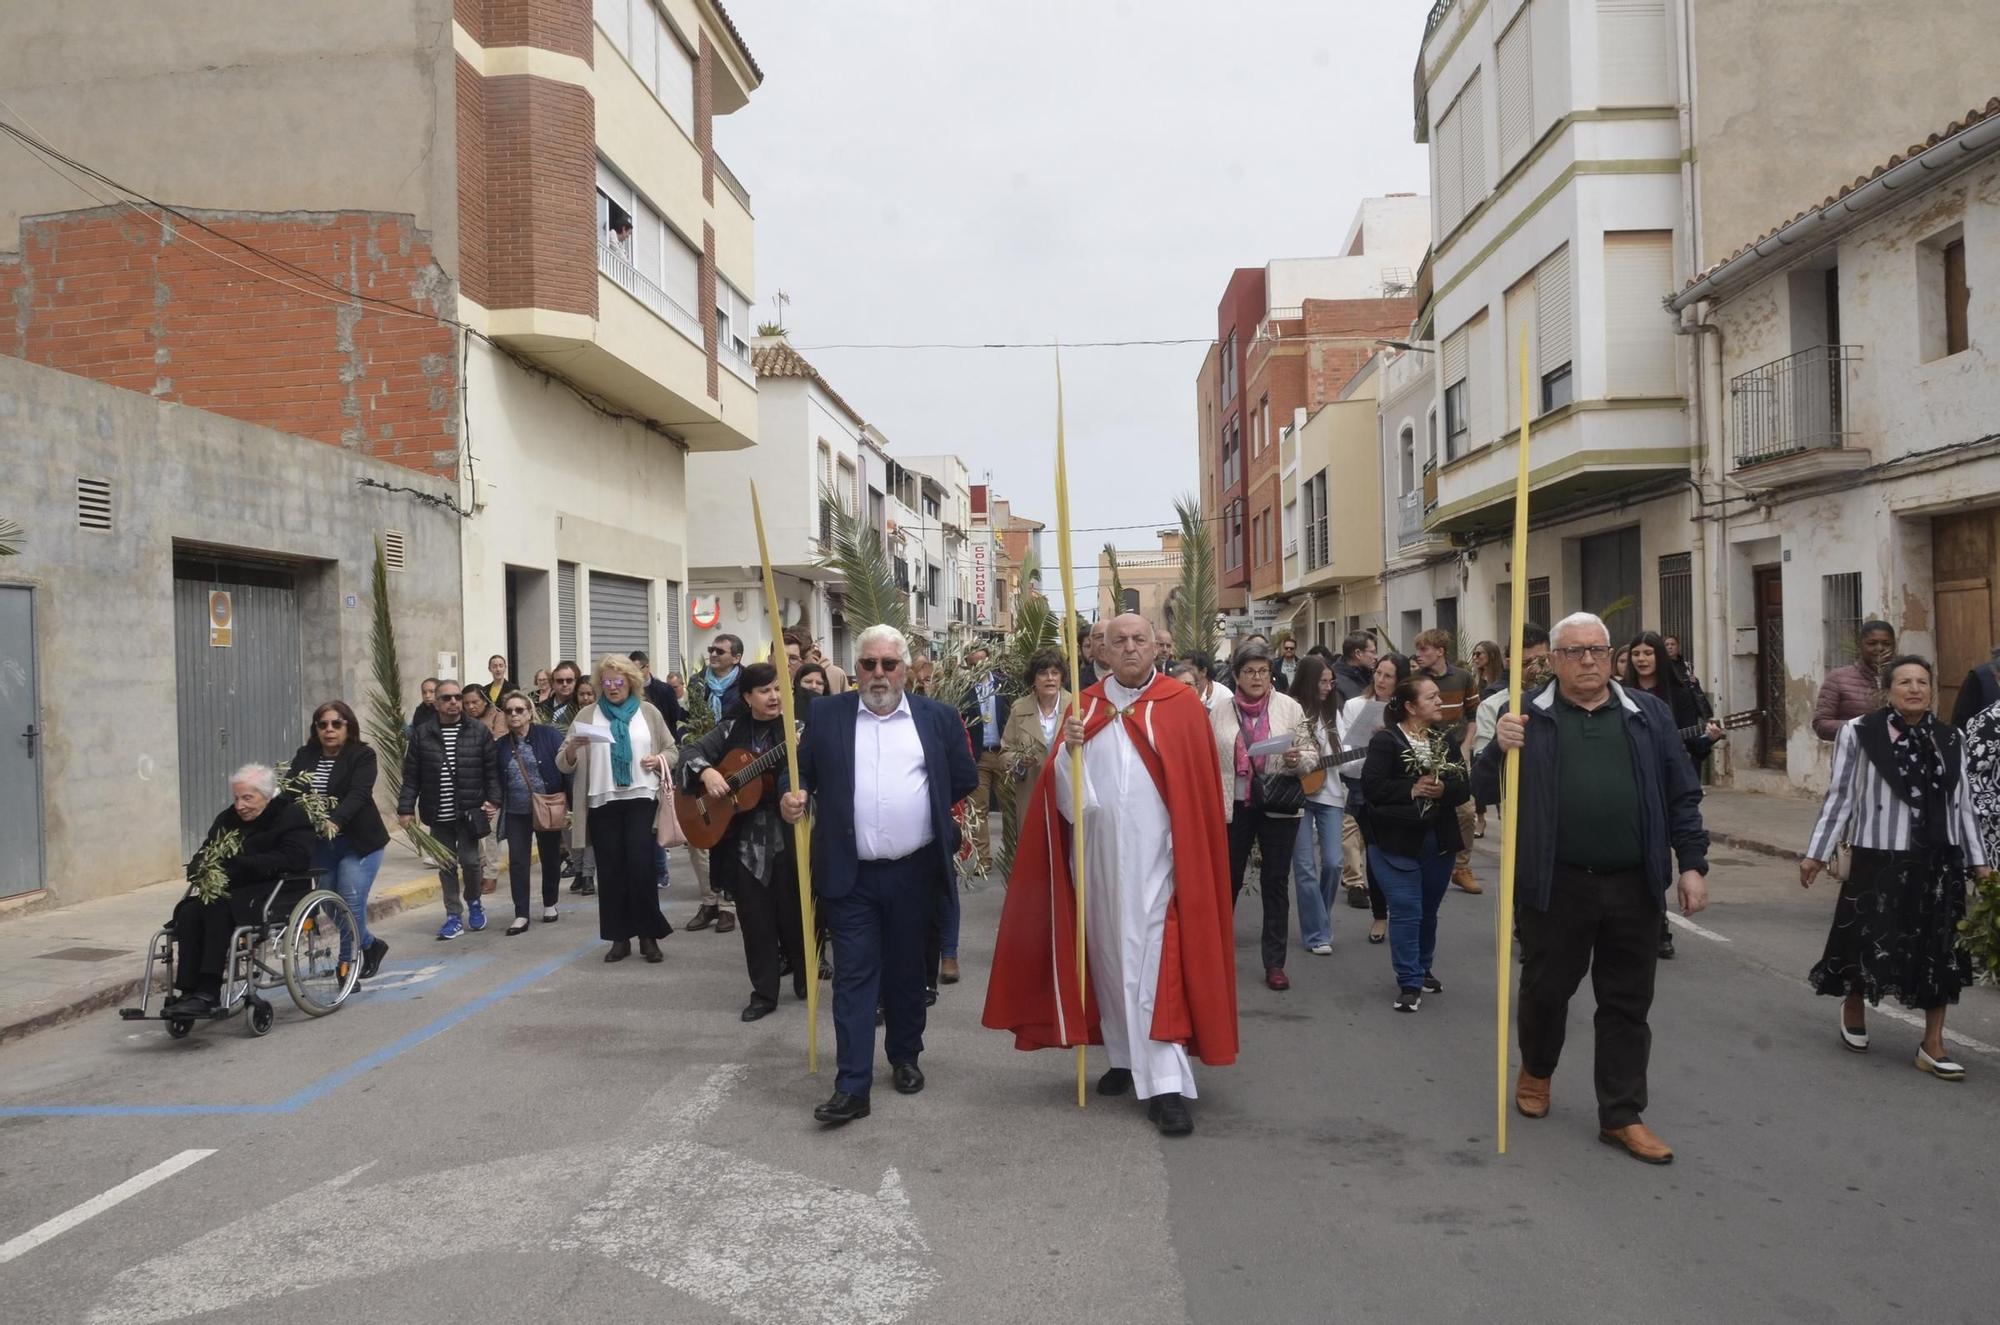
{"x": 1898, "y": 796}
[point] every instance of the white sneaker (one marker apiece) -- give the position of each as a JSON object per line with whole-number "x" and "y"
{"x": 1322, "y": 950}
{"x": 549, "y": 915}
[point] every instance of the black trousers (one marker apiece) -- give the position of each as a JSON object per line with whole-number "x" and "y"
{"x": 628, "y": 899}
{"x": 1274, "y": 835}
{"x": 878, "y": 960}
{"x": 1609, "y": 926}
{"x": 520, "y": 833}
{"x": 768, "y": 916}
{"x": 201, "y": 934}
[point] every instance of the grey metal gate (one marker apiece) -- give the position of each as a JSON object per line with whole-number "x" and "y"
{"x": 566, "y": 615}
{"x": 1610, "y": 569}
{"x": 20, "y": 746}
{"x": 621, "y": 615}
{"x": 239, "y": 703}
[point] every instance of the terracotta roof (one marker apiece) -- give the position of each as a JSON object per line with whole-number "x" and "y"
{"x": 737, "y": 37}
{"x": 1976, "y": 115}
{"x": 781, "y": 360}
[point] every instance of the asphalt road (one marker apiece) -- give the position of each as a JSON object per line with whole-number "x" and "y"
{"x": 510, "y": 1130}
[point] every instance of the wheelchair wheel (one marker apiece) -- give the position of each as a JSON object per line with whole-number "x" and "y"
{"x": 321, "y": 926}
{"x": 260, "y": 1017}
{"x": 178, "y": 1027}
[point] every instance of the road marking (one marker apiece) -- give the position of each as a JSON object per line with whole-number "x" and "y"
{"x": 318, "y": 1089}
{"x": 97, "y": 1205}
{"x": 766, "y": 1244}
{"x": 1916, "y": 1019}
{"x": 1693, "y": 928}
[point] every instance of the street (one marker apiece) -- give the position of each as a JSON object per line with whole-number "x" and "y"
{"x": 510, "y": 1130}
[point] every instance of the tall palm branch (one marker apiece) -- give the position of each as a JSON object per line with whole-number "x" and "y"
{"x": 385, "y": 712}
{"x": 1117, "y": 580}
{"x": 11, "y": 537}
{"x": 1194, "y": 621}
{"x": 857, "y": 555}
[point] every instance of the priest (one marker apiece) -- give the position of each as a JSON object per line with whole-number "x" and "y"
{"x": 1159, "y": 939}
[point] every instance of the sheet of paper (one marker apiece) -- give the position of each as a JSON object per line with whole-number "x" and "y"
{"x": 598, "y": 733}
{"x": 1272, "y": 745}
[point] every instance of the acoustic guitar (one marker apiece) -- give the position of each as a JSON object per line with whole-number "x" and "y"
{"x": 704, "y": 819}
{"x": 1730, "y": 723}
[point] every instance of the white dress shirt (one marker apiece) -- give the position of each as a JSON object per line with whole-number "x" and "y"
{"x": 892, "y": 796}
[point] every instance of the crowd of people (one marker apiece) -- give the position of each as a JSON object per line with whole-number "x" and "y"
{"x": 1366, "y": 773}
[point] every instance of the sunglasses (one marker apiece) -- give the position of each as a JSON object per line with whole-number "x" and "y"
{"x": 716, "y": 651}
{"x": 514, "y": 710}
{"x": 884, "y": 665}
{"x": 330, "y": 724}
{"x": 451, "y": 698}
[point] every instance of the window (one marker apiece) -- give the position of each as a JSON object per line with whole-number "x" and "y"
{"x": 1515, "y": 62}
{"x": 1638, "y": 332}
{"x": 732, "y": 321}
{"x": 1457, "y": 423}
{"x": 1315, "y": 530}
{"x": 1478, "y": 355}
{"x": 1633, "y": 54}
{"x": 931, "y": 582}
{"x": 1458, "y": 156}
{"x": 1520, "y": 313}
{"x": 848, "y": 488}
{"x": 1677, "y": 599}
{"x": 649, "y": 43}
{"x": 1840, "y": 608}
{"x": 1957, "y": 299}
{"x": 1229, "y": 368}
{"x": 1431, "y": 432}
{"x": 824, "y": 497}
{"x": 1406, "y": 459}
{"x": 1557, "y": 389}
{"x": 1553, "y": 334}
{"x": 1538, "y": 602}
{"x": 1944, "y": 296}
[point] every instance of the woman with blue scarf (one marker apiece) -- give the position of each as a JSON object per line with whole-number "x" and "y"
{"x": 615, "y": 800}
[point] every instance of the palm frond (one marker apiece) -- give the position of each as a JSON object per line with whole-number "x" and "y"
{"x": 1030, "y": 575}
{"x": 11, "y": 537}
{"x": 385, "y": 712}
{"x": 1194, "y": 626}
{"x": 1117, "y": 580}
{"x": 871, "y": 597}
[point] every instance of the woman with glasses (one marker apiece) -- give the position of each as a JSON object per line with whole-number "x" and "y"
{"x": 543, "y": 685}
{"x": 1360, "y": 718}
{"x": 527, "y": 759}
{"x": 487, "y": 714}
{"x": 341, "y": 767}
{"x": 616, "y": 803}
{"x": 1414, "y": 779}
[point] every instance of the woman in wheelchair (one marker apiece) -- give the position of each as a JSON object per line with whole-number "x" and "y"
{"x": 277, "y": 843}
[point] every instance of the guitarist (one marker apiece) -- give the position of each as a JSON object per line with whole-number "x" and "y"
{"x": 1649, "y": 668}
{"x": 753, "y": 863}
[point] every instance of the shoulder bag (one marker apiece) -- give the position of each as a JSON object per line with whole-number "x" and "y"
{"x": 549, "y": 809}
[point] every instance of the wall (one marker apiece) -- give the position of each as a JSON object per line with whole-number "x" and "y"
{"x": 1790, "y": 105}
{"x": 111, "y": 811}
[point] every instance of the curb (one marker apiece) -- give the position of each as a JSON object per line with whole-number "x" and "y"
{"x": 1753, "y": 846}
{"x": 116, "y": 991}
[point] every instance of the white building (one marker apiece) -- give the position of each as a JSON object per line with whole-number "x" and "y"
{"x": 1378, "y": 258}
{"x": 809, "y": 445}
{"x": 946, "y": 523}
{"x": 1854, "y": 408}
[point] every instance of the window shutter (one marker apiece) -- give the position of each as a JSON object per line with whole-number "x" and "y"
{"x": 1454, "y": 357}
{"x": 1632, "y": 53}
{"x": 680, "y": 274}
{"x": 645, "y": 49}
{"x": 620, "y": 615}
{"x": 566, "y": 611}
{"x": 1552, "y": 308}
{"x": 1472, "y": 144}
{"x": 1478, "y": 412}
{"x": 676, "y": 85}
{"x": 1517, "y": 87}
{"x": 1444, "y": 165}
{"x": 648, "y": 233}
{"x": 1638, "y": 333}
{"x": 613, "y": 187}
{"x": 615, "y": 17}
{"x": 1521, "y": 314}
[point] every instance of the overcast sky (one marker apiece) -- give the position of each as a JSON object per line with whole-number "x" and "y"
{"x": 1033, "y": 170}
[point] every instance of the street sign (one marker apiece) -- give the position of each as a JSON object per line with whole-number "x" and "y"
{"x": 221, "y": 619}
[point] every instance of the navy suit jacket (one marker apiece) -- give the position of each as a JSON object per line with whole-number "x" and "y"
{"x": 826, "y": 767}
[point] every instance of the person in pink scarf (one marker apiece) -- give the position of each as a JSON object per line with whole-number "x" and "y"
{"x": 1262, "y": 794}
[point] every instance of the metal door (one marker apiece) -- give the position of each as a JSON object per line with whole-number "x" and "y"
{"x": 1775, "y": 730}
{"x": 20, "y": 746}
{"x": 1610, "y": 570}
{"x": 621, "y": 615}
{"x": 239, "y": 703}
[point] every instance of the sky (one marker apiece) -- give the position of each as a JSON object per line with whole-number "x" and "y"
{"x": 1032, "y": 171}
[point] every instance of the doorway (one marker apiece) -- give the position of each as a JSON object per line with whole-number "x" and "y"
{"x": 1968, "y": 609}
{"x": 1609, "y": 567}
{"x": 20, "y": 746}
{"x": 1768, "y": 593}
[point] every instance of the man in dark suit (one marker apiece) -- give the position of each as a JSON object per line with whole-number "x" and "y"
{"x": 887, "y": 767}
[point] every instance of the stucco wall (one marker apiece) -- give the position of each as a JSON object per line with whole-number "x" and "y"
{"x": 104, "y": 600}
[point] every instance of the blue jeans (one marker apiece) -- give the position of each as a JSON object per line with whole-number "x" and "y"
{"x": 1414, "y": 888}
{"x": 1316, "y": 871}
{"x": 351, "y": 876}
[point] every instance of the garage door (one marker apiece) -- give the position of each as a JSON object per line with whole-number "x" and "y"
{"x": 621, "y": 616}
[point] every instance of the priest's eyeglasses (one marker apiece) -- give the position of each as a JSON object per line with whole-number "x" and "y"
{"x": 1578, "y": 652}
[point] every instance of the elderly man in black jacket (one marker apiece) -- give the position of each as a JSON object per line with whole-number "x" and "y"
{"x": 451, "y": 779}
{"x": 1608, "y": 799}
{"x": 276, "y": 841}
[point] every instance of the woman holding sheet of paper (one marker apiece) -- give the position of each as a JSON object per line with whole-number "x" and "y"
{"x": 1266, "y": 745}
{"x": 618, "y": 749}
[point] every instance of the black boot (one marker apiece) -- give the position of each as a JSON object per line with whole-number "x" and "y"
{"x": 1170, "y": 1114}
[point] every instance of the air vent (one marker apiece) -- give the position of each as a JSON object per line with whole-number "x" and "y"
{"x": 93, "y": 503}
{"x": 392, "y": 548}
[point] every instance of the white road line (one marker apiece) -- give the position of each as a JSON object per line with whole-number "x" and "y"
{"x": 1916, "y": 1019}
{"x": 1693, "y": 928}
{"x": 97, "y": 1205}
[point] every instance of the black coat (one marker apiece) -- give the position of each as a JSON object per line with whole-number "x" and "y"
{"x": 478, "y": 774}
{"x": 1351, "y": 679}
{"x": 1398, "y": 820}
{"x": 662, "y": 697}
{"x": 350, "y": 789}
{"x": 276, "y": 844}
{"x": 975, "y": 723}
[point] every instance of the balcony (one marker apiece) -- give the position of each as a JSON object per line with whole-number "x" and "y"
{"x": 1412, "y": 539}
{"x": 1790, "y": 417}
{"x": 612, "y": 262}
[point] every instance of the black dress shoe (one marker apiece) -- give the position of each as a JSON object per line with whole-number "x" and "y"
{"x": 1170, "y": 1114}
{"x": 799, "y": 985}
{"x": 1115, "y": 1082}
{"x": 703, "y": 918}
{"x": 649, "y": 948}
{"x": 371, "y": 957}
{"x": 758, "y": 1009}
{"x": 909, "y": 1078}
{"x": 1666, "y": 947}
{"x": 842, "y": 1107}
{"x": 620, "y": 949}
{"x": 930, "y": 996}
{"x": 191, "y": 1005}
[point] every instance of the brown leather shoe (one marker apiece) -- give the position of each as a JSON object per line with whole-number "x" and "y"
{"x": 948, "y": 970}
{"x": 725, "y": 922}
{"x": 489, "y": 885}
{"x": 1531, "y": 1095}
{"x": 1639, "y": 1142}
{"x": 1462, "y": 877}
{"x": 1275, "y": 978}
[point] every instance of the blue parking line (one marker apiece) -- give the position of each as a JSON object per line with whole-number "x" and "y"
{"x": 317, "y": 1090}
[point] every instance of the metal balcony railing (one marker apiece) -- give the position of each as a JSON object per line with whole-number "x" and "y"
{"x": 1797, "y": 403}
{"x": 1430, "y": 485}
{"x": 612, "y": 261}
{"x": 1410, "y": 518}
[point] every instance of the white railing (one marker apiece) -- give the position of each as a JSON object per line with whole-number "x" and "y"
{"x": 1410, "y": 518}
{"x": 612, "y": 262}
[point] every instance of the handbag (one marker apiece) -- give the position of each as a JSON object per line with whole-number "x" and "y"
{"x": 667, "y": 827}
{"x": 548, "y": 809}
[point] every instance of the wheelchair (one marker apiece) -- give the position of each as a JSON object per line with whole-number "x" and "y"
{"x": 295, "y": 943}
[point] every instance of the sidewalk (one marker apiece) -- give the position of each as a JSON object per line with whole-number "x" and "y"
{"x": 1754, "y": 821}
{"x": 74, "y": 960}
